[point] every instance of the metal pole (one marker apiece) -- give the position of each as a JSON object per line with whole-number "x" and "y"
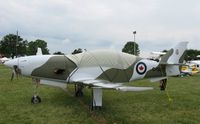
{"x": 16, "y": 45}
{"x": 134, "y": 32}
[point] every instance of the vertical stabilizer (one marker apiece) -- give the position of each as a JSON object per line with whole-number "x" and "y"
{"x": 175, "y": 55}
{"x": 39, "y": 51}
{"x": 174, "y": 58}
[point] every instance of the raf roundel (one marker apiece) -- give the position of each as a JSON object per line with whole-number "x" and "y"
{"x": 141, "y": 68}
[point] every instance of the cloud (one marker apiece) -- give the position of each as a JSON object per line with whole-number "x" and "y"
{"x": 92, "y": 24}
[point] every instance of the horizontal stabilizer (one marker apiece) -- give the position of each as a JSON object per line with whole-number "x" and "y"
{"x": 158, "y": 53}
{"x": 179, "y": 64}
{"x": 129, "y": 88}
{"x": 53, "y": 83}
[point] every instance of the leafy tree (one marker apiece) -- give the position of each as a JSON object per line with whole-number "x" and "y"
{"x": 131, "y": 48}
{"x": 76, "y": 51}
{"x": 58, "y": 53}
{"x": 12, "y": 45}
{"x": 191, "y": 54}
{"x": 33, "y": 45}
{"x": 21, "y": 48}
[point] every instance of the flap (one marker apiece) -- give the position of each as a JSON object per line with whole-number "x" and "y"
{"x": 129, "y": 88}
{"x": 116, "y": 86}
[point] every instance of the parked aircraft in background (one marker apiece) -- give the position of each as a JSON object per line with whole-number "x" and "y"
{"x": 189, "y": 69}
{"x": 156, "y": 55}
{"x": 100, "y": 69}
{"x": 197, "y": 63}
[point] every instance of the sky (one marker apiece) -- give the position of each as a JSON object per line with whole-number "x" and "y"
{"x": 103, "y": 24}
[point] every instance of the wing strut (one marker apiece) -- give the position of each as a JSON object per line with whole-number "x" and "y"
{"x": 96, "y": 98}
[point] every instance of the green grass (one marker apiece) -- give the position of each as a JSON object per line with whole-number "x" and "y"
{"x": 60, "y": 107}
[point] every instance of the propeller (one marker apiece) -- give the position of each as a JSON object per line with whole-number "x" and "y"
{"x": 13, "y": 64}
{"x": 15, "y": 72}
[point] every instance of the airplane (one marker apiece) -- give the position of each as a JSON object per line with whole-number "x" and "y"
{"x": 189, "y": 69}
{"x": 158, "y": 53}
{"x": 197, "y": 63}
{"x": 100, "y": 69}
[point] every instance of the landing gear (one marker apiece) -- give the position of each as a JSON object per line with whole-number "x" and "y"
{"x": 36, "y": 99}
{"x": 96, "y": 101}
{"x": 163, "y": 84}
{"x": 78, "y": 90}
{"x": 96, "y": 98}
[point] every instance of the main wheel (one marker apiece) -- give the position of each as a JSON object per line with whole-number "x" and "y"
{"x": 35, "y": 99}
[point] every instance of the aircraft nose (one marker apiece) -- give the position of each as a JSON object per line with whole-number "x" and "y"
{"x": 11, "y": 63}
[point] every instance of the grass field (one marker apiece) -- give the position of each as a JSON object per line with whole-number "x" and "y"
{"x": 179, "y": 104}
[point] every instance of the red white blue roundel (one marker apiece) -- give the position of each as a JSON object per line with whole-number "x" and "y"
{"x": 141, "y": 68}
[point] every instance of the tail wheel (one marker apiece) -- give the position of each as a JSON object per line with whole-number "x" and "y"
{"x": 163, "y": 84}
{"x": 36, "y": 99}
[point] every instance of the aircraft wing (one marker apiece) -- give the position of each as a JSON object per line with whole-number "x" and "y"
{"x": 116, "y": 86}
{"x": 89, "y": 80}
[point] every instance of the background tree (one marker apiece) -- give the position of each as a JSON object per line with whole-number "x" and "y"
{"x": 191, "y": 54}
{"x": 76, "y": 51}
{"x": 33, "y": 45}
{"x": 22, "y": 48}
{"x": 130, "y": 47}
{"x": 58, "y": 53}
{"x": 12, "y": 45}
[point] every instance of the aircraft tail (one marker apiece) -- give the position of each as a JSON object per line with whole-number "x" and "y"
{"x": 39, "y": 51}
{"x": 174, "y": 58}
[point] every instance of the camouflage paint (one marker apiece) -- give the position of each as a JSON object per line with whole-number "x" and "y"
{"x": 165, "y": 58}
{"x": 156, "y": 72}
{"x": 57, "y": 67}
{"x": 118, "y": 75}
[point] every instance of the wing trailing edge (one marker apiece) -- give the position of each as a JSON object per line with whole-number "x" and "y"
{"x": 116, "y": 86}
{"x": 130, "y": 88}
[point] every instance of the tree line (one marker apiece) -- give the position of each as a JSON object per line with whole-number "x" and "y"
{"x": 191, "y": 54}
{"x": 13, "y": 45}
{"x": 133, "y": 48}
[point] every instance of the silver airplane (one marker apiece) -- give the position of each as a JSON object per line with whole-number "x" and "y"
{"x": 100, "y": 69}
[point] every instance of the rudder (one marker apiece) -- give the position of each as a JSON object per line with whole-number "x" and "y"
{"x": 173, "y": 58}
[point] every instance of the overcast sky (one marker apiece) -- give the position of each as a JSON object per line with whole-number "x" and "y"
{"x": 103, "y": 24}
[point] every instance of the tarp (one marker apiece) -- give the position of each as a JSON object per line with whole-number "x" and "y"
{"x": 103, "y": 58}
